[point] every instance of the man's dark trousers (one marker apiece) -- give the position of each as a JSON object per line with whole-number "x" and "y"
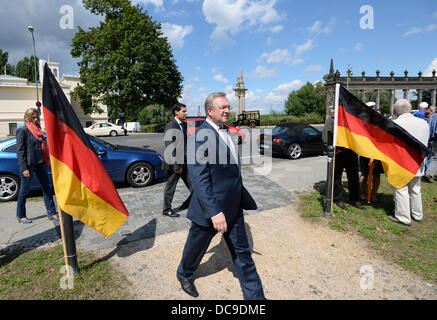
{"x": 348, "y": 160}
{"x": 170, "y": 187}
{"x": 198, "y": 240}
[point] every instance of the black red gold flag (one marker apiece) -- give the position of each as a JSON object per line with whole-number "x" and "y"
{"x": 370, "y": 134}
{"x": 82, "y": 186}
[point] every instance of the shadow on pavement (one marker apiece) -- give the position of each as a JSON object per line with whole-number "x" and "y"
{"x": 17, "y": 248}
{"x": 140, "y": 240}
{"x": 221, "y": 258}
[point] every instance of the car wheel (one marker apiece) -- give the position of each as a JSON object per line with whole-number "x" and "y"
{"x": 113, "y": 133}
{"x": 294, "y": 151}
{"x": 252, "y": 124}
{"x": 140, "y": 174}
{"x": 9, "y": 187}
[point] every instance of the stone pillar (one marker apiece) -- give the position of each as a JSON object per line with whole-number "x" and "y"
{"x": 406, "y": 94}
{"x": 378, "y": 98}
{"x": 392, "y": 100}
{"x": 433, "y": 97}
{"x": 363, "y": 95}
{"x": 419, "y": 96}
{"x": 330, "y": 98}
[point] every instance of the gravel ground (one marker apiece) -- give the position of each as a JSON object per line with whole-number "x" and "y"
{"x": 295, "y": 259}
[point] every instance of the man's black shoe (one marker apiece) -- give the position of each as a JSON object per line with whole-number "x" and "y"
{"x": 396, "y": 220}
{"x": 358, "y": 205}
{"x": 341, "y": 205}
{"x": 188, "y": 286}
{"x": 170, "y": 213}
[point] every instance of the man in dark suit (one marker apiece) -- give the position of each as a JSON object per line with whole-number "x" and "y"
{"x": 217, "y": 201}
{"x": 175, "y": 140}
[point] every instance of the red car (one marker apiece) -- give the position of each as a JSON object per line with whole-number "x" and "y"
{"x": 236, "y": 134}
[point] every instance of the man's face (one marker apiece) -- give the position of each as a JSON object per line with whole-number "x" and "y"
{"x": 181, "y": 114}
{"x": 220, "y": 113}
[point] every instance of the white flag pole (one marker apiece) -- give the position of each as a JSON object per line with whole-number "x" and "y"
{"x": 334, "y": 141}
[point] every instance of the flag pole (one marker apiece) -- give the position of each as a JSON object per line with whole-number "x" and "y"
{"x": 329, "y": 211}
{"x": 68, "y": 242}
{"x": 370, "y": 180}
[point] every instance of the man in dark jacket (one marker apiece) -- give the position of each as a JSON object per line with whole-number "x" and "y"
{"x": 175, "y": 140}
{"x": 218, "y": 200}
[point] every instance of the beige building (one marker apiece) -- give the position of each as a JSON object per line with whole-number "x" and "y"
{"x": 17, "y": 95}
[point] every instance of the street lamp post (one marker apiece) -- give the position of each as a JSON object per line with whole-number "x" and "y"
{"x": 38, "y": 104}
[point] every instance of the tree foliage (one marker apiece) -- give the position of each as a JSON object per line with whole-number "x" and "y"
{"x": 25, "y": 68}
{"x": 126, "y": 63}
{"x": 155, "y": 113}
{"x": 308, "y": 99}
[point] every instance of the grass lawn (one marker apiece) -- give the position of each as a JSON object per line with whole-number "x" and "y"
{"x": 414, "y": 248}
{"x": 35, "y": 275}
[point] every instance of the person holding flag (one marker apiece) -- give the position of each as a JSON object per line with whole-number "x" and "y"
{"x": 401, "y": 146}
{"x": 408, "y": 199}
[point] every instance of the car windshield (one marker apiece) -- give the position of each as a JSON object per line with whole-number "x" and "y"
{"x": 280, "y": 130}
{"x": 106, "y": 144}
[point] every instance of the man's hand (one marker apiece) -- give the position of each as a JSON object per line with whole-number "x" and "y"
{"x": 219, "y": 222}
{"x": 178, "y": 171}
{"x": 26, "y": 173}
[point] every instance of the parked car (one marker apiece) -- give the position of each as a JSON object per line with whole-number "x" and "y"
{"x": 135, "y": 166}
{"x": 104, "y": 129}
{"x": 294, "y": 140}
{"x": 193, "y": 123}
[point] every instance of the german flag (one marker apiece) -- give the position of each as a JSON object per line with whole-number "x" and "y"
{"x": 82, "y": 186}
{"x": 369, "y": 134}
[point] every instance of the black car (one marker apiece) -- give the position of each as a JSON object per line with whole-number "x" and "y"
{"x": 294, "y": 140}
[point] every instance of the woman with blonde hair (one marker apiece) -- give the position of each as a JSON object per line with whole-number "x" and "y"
{"x": 33, "y": 160}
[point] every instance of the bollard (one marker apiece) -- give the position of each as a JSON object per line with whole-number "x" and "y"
{"x": 329, "y": 178}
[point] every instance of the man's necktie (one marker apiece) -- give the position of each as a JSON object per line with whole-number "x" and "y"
{"x": 229, "y": 142}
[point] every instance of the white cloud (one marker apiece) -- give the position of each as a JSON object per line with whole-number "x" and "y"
{"x": 358, "y": 46}
{"x": 176, "y": 34}
{"x": 277, "y": 28}
{"x": 297, "y": 61}
{"x": 230, "y": 17}
{"x": 314, "y": 68}
{"x": 277, "y": 56}
{"x": 432, "y": 66}
{"x": 159, "y": 4}
{"x": 431, "y": 27}
{"x": 412, "y": 31}
{"x": 220, "y": 78}
{"x": 434, "y": 15}
{"x": 262, "y": 72}
{"x": 286, "y": 88}
{"x": 304, "y": 47}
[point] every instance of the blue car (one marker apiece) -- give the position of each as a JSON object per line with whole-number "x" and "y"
{"x": 135, "y": 166}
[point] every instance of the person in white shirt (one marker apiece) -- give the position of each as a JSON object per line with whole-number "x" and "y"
{"x": 408, "y": 200}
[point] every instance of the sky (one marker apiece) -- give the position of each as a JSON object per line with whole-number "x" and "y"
{"x": 279, "y": 44}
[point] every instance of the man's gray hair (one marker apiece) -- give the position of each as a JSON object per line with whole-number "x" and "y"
{"x": 402, "y": 106}
{"x": 210, "y": 99}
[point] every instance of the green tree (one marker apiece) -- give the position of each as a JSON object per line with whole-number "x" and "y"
{"x": 25, "y": 68}
{"x": 126, "y": 63}
{"x": 308, "y": 99}
{"x": 5, "y": 67}
{"x": 153, "y": 114}
{"x": 426, "y": 97}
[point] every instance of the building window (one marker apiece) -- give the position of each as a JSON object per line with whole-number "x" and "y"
{"x": 12, "y": 129}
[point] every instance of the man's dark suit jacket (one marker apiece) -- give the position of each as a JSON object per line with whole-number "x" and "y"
{"x": 29, "y": 152}
{"x": 216, "y": 187}
{"x": 173, "y": 124}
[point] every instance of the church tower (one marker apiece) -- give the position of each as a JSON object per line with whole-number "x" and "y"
{"x": 240, "y": 94}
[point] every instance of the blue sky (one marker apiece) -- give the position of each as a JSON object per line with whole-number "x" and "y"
{"x": 280, "y": 44}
